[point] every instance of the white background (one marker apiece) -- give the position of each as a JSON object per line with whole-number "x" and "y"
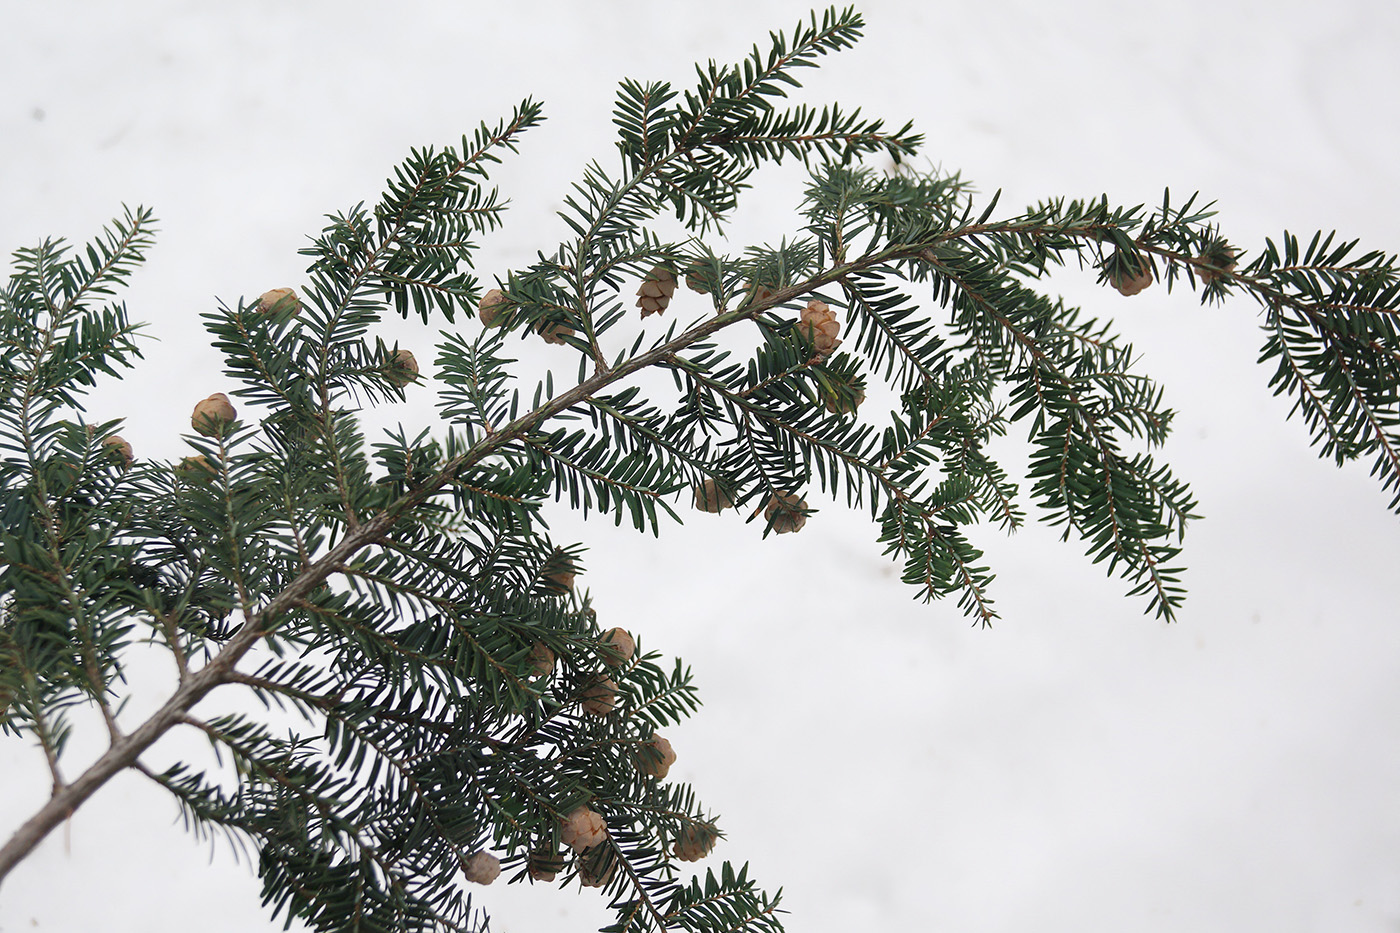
{"x": 1080, "y": 766}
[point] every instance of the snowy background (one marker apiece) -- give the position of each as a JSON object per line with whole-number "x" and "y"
{"x": 1078, "y": 767}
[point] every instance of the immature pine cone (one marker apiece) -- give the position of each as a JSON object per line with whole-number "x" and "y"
{"x": 820, "y": 327}
{"x": 656, "y": 291}
{"x": 710, "y": 498}
{"x": 785, "y": 511}
{"x": 599, "y": 697}
{"x": 695, "y": 842}
{"x": 482, "y": 868}
{"x": 582, "y": 828}
{"x": 119, "y": 448}
{"x": 618, "y": 647}
{"x": 492, "y": 307}
{"x": 210, "y": 414}
{"x": 279, "y": 299}
{"x": 402, "y": 369}
{"x": 655, "y": 757}
{"x": 1127, "y": 283}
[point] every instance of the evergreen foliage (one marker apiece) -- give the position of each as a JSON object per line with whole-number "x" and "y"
{"x": 402, "y": 597}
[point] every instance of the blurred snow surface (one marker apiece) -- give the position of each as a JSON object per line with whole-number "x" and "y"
{"x": 1078, "y": 767}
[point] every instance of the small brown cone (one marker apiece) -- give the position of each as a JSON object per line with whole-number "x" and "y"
{"x": 541, "y": 660}
{"x": 1215, "y": 262}
{"x": 196, "y": 469}
{"x": 837, "y": 406}
{"x": 553, "y": 331}
{"x": 402, "y": 368}
{"x": 596, "y": 866}
{"x": 545, "y": 864}
{"x": 492, "y": 308}
{"x": 559, "y": 571}
{"x": 1128, "y": 284}
{"x": 482, "y": 868}
{"x": 698, "y": 276}
{"x": 211, "y": 414}
{"x": 277, "y": 300}
{"x": 656, "y": 291}
{"x": 760, "y": 293}
{"x": 618, "y": 646}
{"x": 582, "y": 828}
{"x": 117, "y": 446}
{"x": 655, "y": 757}
{"x": 696, "y": 841}
{"x": 710, "y": 498}
{"x": 786, "y": 512}
{"x": 820, "y": 327}
{"x": 599, "y": 697}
